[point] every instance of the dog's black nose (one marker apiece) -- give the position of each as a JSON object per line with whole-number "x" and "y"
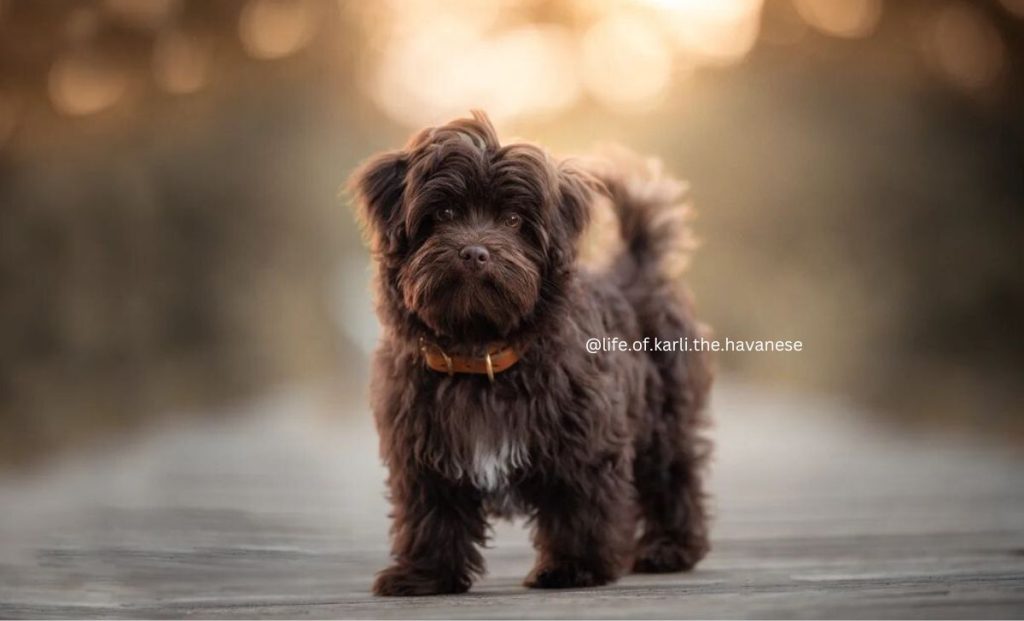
{"x": 476, "y": 256}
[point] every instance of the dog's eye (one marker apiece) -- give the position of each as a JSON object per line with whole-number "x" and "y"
{"x": 513, "y": 220}
{"x": 445, "y": 215}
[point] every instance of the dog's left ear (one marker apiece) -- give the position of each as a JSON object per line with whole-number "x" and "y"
{"x": 576, "y": 189}
{"x": 575, "y": 192}
{"x": 378, "y": 186}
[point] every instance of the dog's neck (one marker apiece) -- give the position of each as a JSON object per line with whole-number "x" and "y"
{"x": 466, "y": 347}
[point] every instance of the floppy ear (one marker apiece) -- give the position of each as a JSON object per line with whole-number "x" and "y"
{"x": 575, "y": 194}
{"x": 378, "y": 186}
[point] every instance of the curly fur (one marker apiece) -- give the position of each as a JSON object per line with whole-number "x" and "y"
{"x": 589, "y": 446}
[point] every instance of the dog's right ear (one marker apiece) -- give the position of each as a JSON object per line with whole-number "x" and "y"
{"x": 378, "y": 186}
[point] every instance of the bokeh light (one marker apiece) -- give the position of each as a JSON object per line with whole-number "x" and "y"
{"x": 276, "y": 28}
{"x": 713, "y": 32}
{"x": 448, "y": 66}
{"x": 964, "y": 46}
{"x": 626, "y": 62}
{"x": 427, "y": 62}
{"x": 83, "y": 83}
{"x": 846, "y": 18}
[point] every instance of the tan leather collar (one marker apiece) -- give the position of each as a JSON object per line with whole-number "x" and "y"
{"x": 498, "y": 357}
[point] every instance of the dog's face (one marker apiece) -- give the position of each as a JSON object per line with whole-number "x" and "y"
{"x": 470, "y": 233}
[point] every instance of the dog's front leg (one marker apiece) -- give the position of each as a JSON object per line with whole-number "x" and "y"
{"x": 437, "y": 526}
{"x": 583, "y": 527}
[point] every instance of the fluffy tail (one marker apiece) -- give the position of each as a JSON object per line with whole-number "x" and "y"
{"x": 653, "y": 212}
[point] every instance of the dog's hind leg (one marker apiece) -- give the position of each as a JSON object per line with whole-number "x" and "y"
{"x": 675, "y": 533}
{"x": 668, "y": 472}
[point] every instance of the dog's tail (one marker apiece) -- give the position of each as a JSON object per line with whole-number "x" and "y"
{"x": 653, "y": 211}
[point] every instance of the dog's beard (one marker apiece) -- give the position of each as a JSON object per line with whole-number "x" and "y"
{"x": 459, "y": 303}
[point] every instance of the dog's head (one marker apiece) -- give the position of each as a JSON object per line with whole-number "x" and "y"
{"x": 472, "y": 236}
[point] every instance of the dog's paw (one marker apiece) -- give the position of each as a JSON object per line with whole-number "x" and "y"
{"x": 398, "y": 581}
{"x": 565, "y": 575}
{"x": 665, "y": 556}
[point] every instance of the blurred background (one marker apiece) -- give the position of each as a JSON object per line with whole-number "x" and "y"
{"x": 173, "y": 242}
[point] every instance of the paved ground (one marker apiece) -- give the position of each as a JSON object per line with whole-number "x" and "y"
{"x": 279, "y": 513}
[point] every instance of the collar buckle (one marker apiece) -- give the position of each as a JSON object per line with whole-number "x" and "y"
{"x": 490, "y": 367}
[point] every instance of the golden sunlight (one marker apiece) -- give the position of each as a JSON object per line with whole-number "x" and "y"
{"x": 626, "y": 63}
{"x": 446, "y": 68}
{"x": 712, "y": 32}
{"x": 425, "y": 64}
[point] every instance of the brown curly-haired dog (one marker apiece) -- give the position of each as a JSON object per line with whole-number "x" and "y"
{"x": 485, "y": 397}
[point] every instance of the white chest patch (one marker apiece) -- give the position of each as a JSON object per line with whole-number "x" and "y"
{"x": 491, "y": 466}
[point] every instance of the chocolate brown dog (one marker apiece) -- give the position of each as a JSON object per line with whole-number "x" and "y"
{"x": 485, "y": 396}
